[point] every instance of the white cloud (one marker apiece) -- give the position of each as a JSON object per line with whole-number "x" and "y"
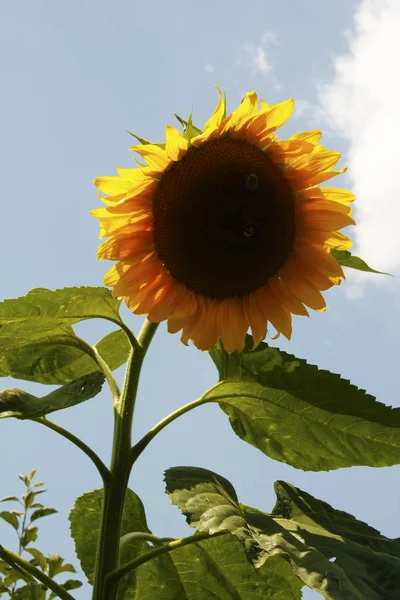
{"x": 302, "y": 107}
{"x": 362, "y": 102}
{"x": 255, "y": 56}
{"x": 209, "y": 68}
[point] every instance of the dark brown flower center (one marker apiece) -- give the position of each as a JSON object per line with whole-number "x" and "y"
{"x": 223, "y": 219}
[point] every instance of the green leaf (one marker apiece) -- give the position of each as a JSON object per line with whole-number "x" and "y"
{"x": 297, "y": 414}
{"x": 114, "y": 348}
{"x": 210, "y": 506}
{"x": 214, "y": 569}
{"x": 28, "y": 499}
{"x": 10, "y": 518}
{"x": 37, "y": 342}
{"x": 43, "y": 307}
{"x": 15, "y": 574}
{"x": 42, "y": 512}
{"x": 370, "y": 560}
{"x": 29, "y": 535}
{"x": 70, "y": 584}
{"x": 346, "y": 259}
{"x": 32, "y": 475}
{"x": 20, "y": 404}
{"x": 143, "y": 141}
{"x": 32, "y": 591}
{"x": 85, "y": 518}
{"x": 10, "y": 499}
{"x": 40, "y": 559}
{"x": 189, "y": 130}
{"x": 4, "y": 567}
{"x": 55, "y": 356}
{"x": 56, "y": 565}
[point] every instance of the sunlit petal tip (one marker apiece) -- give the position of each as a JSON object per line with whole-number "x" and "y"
{"x": 176, "y": 146}
{"x": 218, "y": 114}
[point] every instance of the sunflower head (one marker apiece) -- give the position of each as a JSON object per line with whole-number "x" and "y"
{"x": 226, "y": 229}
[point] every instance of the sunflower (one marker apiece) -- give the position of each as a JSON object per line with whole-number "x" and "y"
{"x": 226, "y": 229}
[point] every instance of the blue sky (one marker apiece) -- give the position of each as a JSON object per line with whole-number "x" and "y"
{"x": 75, "y": 77}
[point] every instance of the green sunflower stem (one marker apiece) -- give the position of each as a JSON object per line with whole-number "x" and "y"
{"x": 115, "y": 487}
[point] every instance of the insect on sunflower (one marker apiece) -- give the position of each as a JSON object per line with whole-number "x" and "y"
{"x": 227, "y": 229}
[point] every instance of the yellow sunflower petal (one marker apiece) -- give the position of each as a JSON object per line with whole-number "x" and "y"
{"x": 319, "y": 258}
{"x": 112, "y": 185}
{"x": 275, "y": 311}
{"x": 218, "y": 114}
{"x": 255, "y": 316}
{"x": 303, "y": 289}
{"x": 134, "y": 175}
{"x": 338, "y": 195}
{"x": 204, "y": 333}
{"x": 176, "y": 146}
{"x": 308, "y": 136}
{"x": 285, "y": 150}
{"x": 324, "y": 220}
{"x": 278, "y": 114}
{"x": 126, "y": 247}
{"x": 248, "y": 106}
{"x": 155, "y": 156}
{"x": 321, "y": 204}
{"x": 284, "y": 295}
{"x": 232, "y": 324}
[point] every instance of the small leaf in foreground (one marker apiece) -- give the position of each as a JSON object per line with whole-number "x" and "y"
{"x": 42, "y": 512}
{"x": 10, "y": 518}
{"x": 40, "y": 559}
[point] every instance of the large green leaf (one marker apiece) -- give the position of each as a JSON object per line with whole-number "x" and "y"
{"x": 295, "y": 413}
{"x": 60, "y": 307}
{"x": 85, "y": 519}
{"x": 371, "y": 560}
{"x": 37, "y": 342}
{"x": 55, "y": 356}
{"x": 331, "y": 552}
{"x": 212, "y": 569}
{"x": 20, "y": 404}
{"x": 346, "y": 259}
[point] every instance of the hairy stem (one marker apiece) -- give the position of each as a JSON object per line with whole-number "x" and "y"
{"x": 19, "y": 563}
{"x": 143, "y": 558}
{"x": 115, "y": 488}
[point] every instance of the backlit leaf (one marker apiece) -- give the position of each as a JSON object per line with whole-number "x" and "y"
{"x": 55, "y": 356}
{"x": 346, "y": 259}
{"x": 42, "y": 512}
{"x": 330, "y": 551}
{"x": 10, "y": 518}
{"x": 295, "y": 413}
{"x": 60, "y": 307}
